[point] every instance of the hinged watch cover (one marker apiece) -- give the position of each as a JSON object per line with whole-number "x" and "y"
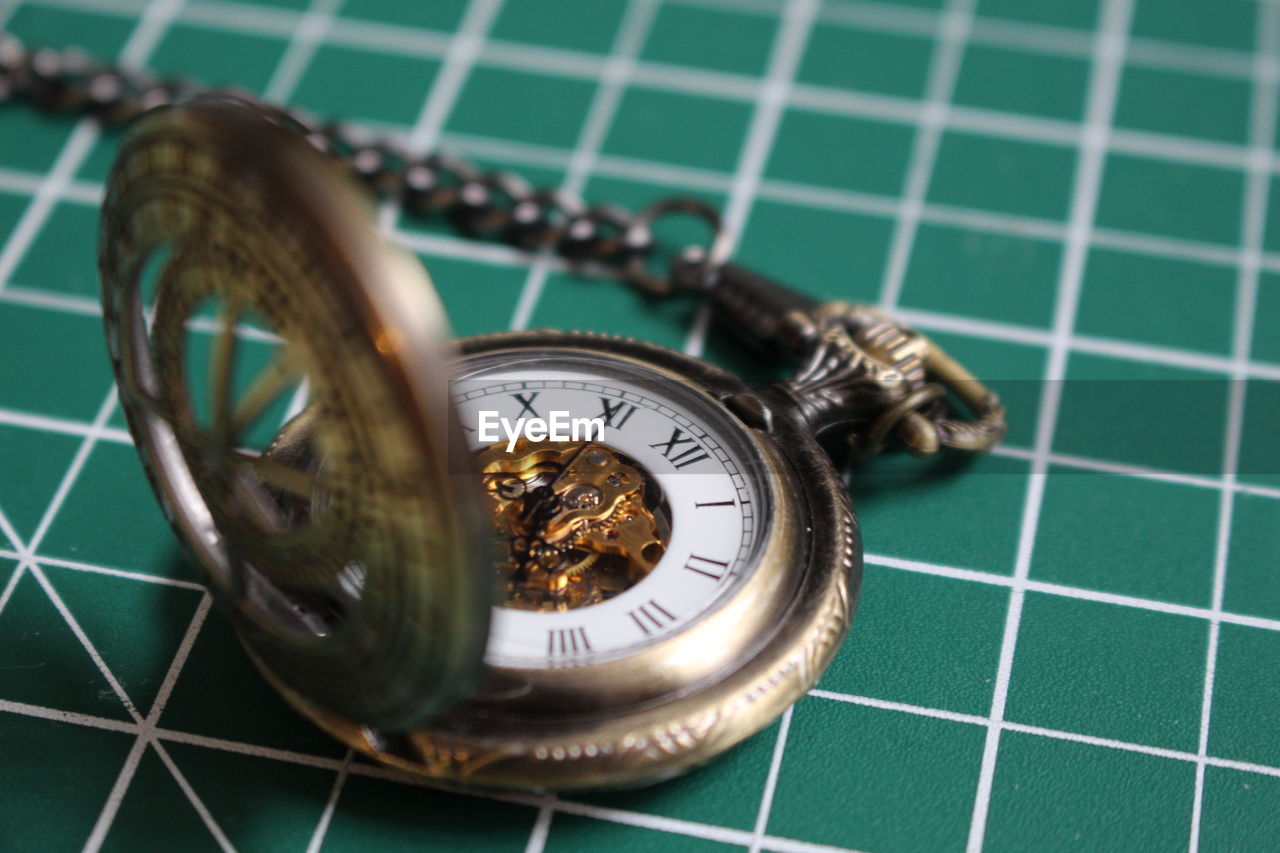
{"x": 354, "y": 557}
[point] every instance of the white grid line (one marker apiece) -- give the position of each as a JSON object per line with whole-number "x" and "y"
{"x": 882, "y": 560}
{"x": 771, "y": 781}
{"x": 90, "y": 568}
{"x": 459, "y": 58}
{"x": 323, "y": 763}
{"x": 770, "y": 103}
{"x": 789, "y": 43}
{"x": 151, "y": 25}
{"x": 146, "y": 733}
{"x": 330, "y": 805}
{"x": 1022, "y": 585}
{"x": 1104, "y": 84}
{"x": 74, "y": 624}
{"x": 953, "y": 31}
{"x": 583, "y": 161}
{"x": 1253, "y": 224}
{"x": 312, "y": 28}
{"x": 73, "y": 472}
{"x": 135, "y": 754}
{"x": 399, "y": 39}
{"x": 78, "y": 146}
{"x": 1009, "y": 224}
{"x": 623, "y": 816}
{"x": 206, "y": 817}
{"x": 464, "y": 49}
{"x": 1042, "y": 731}
{"x": 59, "y": 426}
{"x": 450, "y": 246}
{"x": 1022, "y": 36}
{"x": 9, "y": 586}
{"x": 541, "y": 828}
{"x": 771, "y": 99}
{"x": 1267, "y": 165}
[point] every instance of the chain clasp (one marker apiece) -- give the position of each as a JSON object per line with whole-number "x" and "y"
{"x": 859, "y": 371}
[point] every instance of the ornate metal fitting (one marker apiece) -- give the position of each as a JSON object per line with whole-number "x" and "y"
{"x": 859, "y": 371}
{"x": 867, "y": 375}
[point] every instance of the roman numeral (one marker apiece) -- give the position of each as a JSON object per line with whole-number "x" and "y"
{"x": 650, "y": 617}
{"x": 701, "y": 504}
{"x": 620, "y": 410}
{"x": 526, "y": 404}
{"x": 671, "y": 449}
{"x": 567, "y": 641}
{"x": 713, "y": 569}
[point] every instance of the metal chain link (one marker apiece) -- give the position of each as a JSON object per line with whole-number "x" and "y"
{"x": 499, "y": 205}
{"x": 489, "y": 204}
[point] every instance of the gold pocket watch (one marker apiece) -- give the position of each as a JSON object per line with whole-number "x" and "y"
{"x": 539, "y": 610}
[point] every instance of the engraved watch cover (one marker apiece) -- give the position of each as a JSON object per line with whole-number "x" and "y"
{"x": 223, "y": 228}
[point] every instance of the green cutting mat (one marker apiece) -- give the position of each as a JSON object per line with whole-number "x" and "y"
{"x": 1074, "y": 643}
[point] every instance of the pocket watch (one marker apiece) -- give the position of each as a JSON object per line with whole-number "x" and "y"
{"x": 544, "y": 609}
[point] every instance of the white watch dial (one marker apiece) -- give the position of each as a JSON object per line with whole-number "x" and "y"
{"x": 704, "y": 515}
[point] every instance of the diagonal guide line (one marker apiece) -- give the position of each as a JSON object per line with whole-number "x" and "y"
{"x": 201, "y": 809}
{"x": 771, "y": 781}
{"x": 1104, "y": 85}
{"x": 90, "y": 568}
{"x": 27, "y": 550}
{"x": 154, "y": 23}
{"x": 1262, "y": 134}
{"x": 621, "y": 816}
{"x": 330, "y": 804}
{"x": 1014, "y": 727}
{"x": 541, "y": 828}
{"x": 116, "y": 687}
{"x": 144, "y": 38}
{"x": 146, "y": 734}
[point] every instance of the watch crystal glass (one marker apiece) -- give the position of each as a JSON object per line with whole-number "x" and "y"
{"x": 623, "y": 537}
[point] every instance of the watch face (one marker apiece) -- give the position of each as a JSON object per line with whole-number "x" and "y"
{"x": 626, "y": 505}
